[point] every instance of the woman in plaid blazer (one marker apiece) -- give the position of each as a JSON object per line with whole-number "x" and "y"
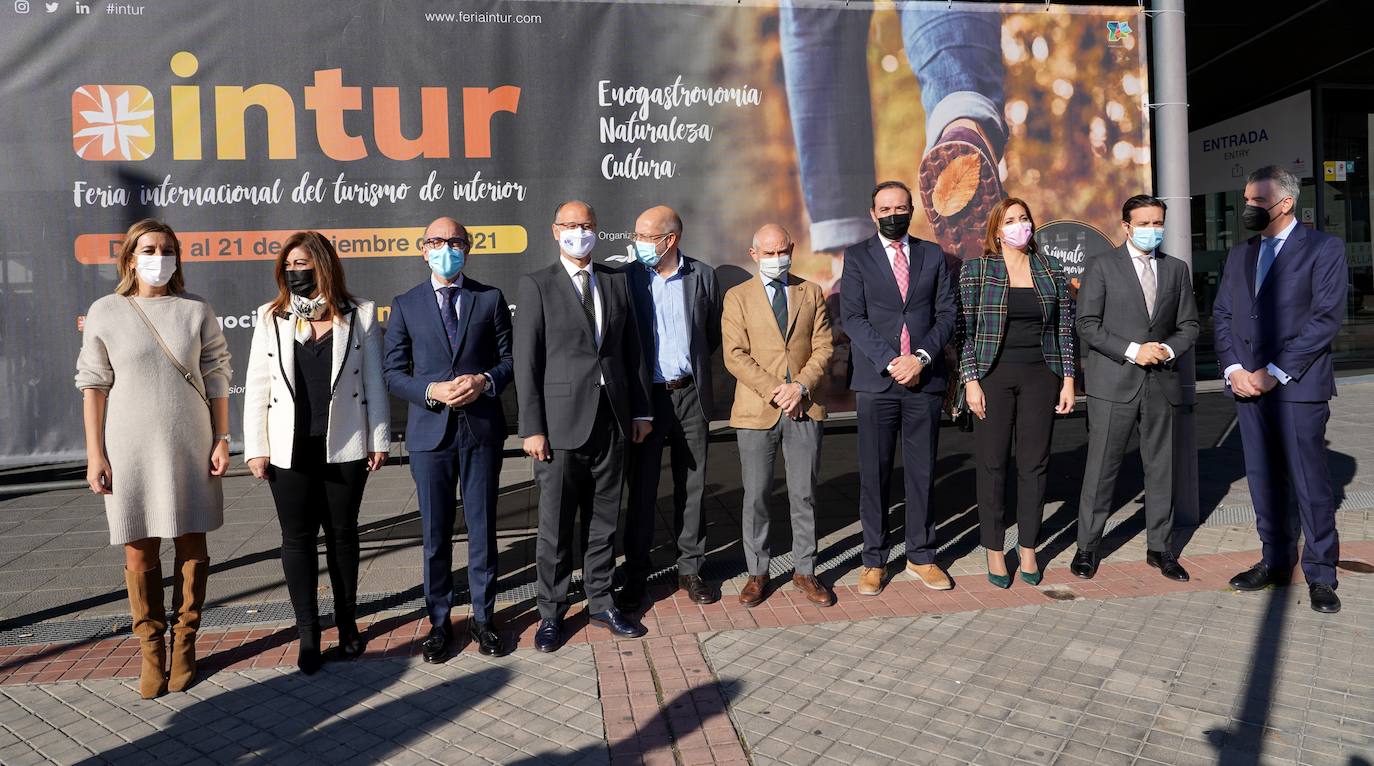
{"x": 1016, "y": 363}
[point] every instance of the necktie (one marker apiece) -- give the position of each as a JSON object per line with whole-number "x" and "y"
{"x": 1268, "y": 252}
{"x": 780, "y": 314}
{"x": 780, "y": 305}
{"x": 899, "y": 270}
{"x": 1147, "y": 282}
{"x": 450, "y": 314}
{"x": 584, "y": 286}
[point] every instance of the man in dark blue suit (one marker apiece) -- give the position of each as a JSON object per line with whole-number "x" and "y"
{"x": 1279, "y": 307}
{"x": 448, "y": 353}
{"x": 897, "y": 299}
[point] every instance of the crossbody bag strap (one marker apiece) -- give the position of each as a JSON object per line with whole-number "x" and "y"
{"x": 185, "y": 373}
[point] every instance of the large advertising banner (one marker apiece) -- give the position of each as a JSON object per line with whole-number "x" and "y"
{"x": 240, "y": 122}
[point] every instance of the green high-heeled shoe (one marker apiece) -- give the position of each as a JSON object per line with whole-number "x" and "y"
{"x": 1001, "y": 581}
{"x": 1031, "y": 578}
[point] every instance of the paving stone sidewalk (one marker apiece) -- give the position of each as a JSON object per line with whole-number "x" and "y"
{"x": 1199, "y": 678}
{"x": 520, "y": 709}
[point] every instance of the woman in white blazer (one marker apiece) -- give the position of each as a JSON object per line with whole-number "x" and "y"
{"x": 316, "y": 421}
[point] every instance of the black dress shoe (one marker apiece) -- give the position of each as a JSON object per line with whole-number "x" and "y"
{"x": 1259, "y": 577}
{"x": 630, "y": 596}
{"x": 1324, "y": 598}
{"x": 697, "y": 589}
{"x": 546, "y": 637}
{"x": 614, "y": 621}
{"x": 1167, "y": 564}
{"x": 436, "y": 646}
{"x": 488, "y": 641}
{"x": 1084, "y": 564}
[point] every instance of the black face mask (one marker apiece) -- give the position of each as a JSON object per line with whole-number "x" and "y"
{"x": 301, "y": 282}
{"x": 894, "y": 226}
{"x": 1256, "y": 218}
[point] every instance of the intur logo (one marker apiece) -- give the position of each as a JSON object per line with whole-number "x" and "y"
{"x": 115, "y": 122}
{"x": 112, "y": 122}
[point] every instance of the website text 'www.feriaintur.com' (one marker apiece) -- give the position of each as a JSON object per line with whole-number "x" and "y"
{"x": 482, "y": 17}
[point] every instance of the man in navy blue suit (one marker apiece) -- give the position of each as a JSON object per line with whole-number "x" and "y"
{"x": 897, "y": 299}
{"x": 1279, "y": 307}
{"x": 448, "y": 353}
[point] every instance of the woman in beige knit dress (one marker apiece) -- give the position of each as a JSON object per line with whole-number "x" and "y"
{"x": 157, "y": 439}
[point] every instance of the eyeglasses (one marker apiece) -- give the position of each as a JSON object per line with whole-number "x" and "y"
{"x": 654, "y": 238}
{"x": 570, "y": 225}
{"x": 457, "y": 243}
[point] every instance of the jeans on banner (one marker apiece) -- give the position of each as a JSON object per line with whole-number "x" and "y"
{"x": 957, "y": 58}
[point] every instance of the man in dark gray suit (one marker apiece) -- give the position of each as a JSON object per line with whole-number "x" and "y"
{"x": 677, "y": 305}
{"x": 1136, "y": 316}
{"x": 583, "y": 389}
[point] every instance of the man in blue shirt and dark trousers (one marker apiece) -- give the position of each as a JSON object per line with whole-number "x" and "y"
{"x": 1279, "y": 307}
{"x": 677, "y": 304}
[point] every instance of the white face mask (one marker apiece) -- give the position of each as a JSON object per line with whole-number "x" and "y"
{"x": 576, "y": 242}
{"x": 156, "y": 270}
{"x": 775, "y": 268}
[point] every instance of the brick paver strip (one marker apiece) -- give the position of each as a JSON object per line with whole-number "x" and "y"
{"x": 670, "y": 616}
{"x": 662, "y": 704}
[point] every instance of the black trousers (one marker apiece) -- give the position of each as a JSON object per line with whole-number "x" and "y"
{"x": 1020, "y": 398}
{"x": 681, "y": 429}
{"x": 310, "y": 495}
{"x": 586, "y": 481}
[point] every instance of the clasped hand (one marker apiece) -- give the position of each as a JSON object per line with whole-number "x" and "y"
{"x": 1151, "y": 353}
{"x": 460, "y": 391}
{"x": 1251, "y": 384}
{"x": 906, "y": 370}
{"x": 788, "y": 398}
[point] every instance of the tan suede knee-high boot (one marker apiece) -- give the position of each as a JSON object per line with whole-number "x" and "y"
{"x": 150, "y": 625}
{"x": 188, "y": 600}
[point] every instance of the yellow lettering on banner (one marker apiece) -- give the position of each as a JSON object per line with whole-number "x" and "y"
{"x": 231, "y": 103}
{"x": 185, "y": 109}
{"x": 225, "y": 246}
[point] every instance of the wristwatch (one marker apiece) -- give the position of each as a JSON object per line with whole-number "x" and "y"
{"x": 222, "y": 438}
{"x": 805, "y": 392}
{"x": 922, "y": 356}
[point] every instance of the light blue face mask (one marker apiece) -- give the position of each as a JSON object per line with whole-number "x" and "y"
{"x": 445, "y": 261}
{"x": 647, "y": 253}
{"x": 1147, "y": 238}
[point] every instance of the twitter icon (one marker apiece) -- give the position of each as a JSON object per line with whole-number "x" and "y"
{"x": 50, "y": 7}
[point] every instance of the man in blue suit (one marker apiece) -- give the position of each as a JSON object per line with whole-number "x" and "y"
{"x": 897, "y": 299}
{"x": 1279, "y": 307}
{"x": 448, "y": 353}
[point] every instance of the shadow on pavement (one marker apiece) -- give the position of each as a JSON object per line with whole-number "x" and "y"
{"x": 1243, "y": 743}
{"x": 278, "y": 717}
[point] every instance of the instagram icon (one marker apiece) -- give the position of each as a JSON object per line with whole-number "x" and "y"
{"x": 21, "y": 6}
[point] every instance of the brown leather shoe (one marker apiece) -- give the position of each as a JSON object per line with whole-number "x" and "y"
{"x": 815, "y": 592}
{"x": 751, "y": 595}
{"x": 930, "y": 575}
{"x": 870, "y": 581}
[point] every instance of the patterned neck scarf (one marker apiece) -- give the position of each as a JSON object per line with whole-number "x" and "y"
{"x": 304, "y": 310}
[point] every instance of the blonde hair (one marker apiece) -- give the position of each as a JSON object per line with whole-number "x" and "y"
{"x": 128, "y": 275}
